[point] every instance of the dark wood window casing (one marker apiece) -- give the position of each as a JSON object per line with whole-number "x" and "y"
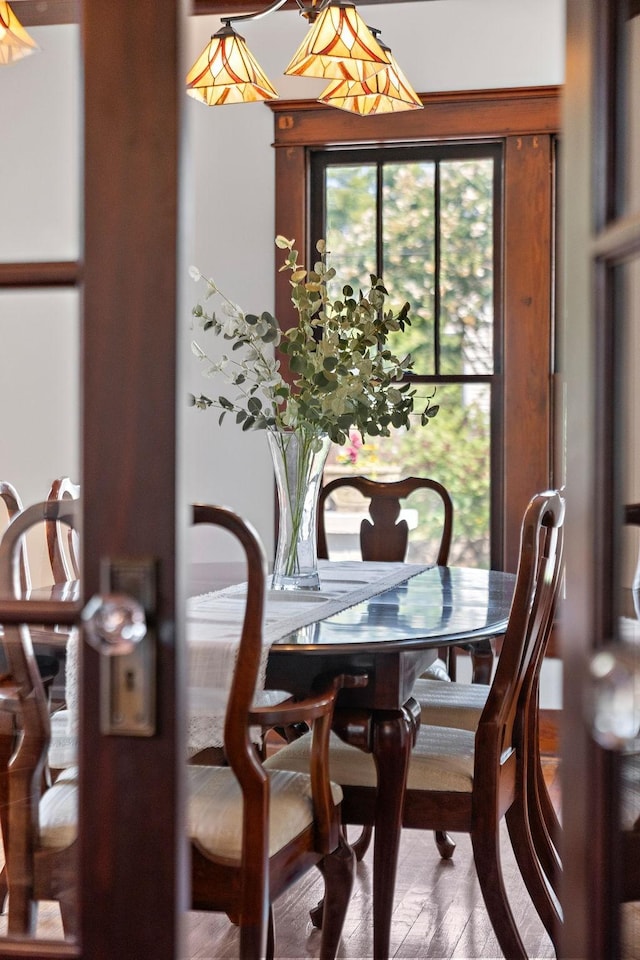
{"x": 526, "y": 121}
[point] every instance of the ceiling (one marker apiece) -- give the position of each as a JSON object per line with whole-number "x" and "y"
{"x": 33, "y": 13}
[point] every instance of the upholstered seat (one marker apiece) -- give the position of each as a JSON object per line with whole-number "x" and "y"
{"x": 451, "y": 705}
{"x": 58, "y": 812}
{"x": 442, "y": 759}
{"x": 214, "y": 809}
{"x": 63, "y": 750}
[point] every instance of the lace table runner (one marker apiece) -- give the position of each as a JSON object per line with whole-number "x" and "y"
{"x": 214, "y": 621}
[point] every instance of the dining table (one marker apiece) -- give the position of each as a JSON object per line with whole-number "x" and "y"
{"x": 386, "y": 623}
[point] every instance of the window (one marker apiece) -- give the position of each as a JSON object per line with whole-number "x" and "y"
{"x": 485, "y": 330}
{"x": 423, "y": 218}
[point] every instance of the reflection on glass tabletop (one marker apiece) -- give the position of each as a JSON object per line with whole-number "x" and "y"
{"x": 441, "y": 604}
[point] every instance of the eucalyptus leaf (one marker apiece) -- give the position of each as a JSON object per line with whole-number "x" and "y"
{"x": 298, "y": 363}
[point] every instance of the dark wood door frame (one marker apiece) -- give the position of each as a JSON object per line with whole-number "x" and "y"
{"x": 597, "y": 239}
{"x": 133, "y": 850}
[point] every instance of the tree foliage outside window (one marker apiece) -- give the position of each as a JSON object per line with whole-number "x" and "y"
{"x": 427, "y": 227}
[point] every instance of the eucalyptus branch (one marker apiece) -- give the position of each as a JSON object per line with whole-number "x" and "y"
{"x": 344, "y": 375}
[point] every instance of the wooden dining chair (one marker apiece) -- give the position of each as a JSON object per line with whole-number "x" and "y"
{"x": 38, "y": 821}
{"x": 63, "y": 551}
{"x": 62, "y": 541}
{"x": 460, "y": 706}
{"x": 253, "y": 832}
{"x": 629, "y": 765}
{"x": 48, "y": 662}
{"x": 468, "y": 781}
{"x": 385, "y": 536}
{"x": 13, "y": 505}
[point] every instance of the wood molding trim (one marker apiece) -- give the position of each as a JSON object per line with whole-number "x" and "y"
{"x": 446, "y": 116}
{"x": 64, "y": 273}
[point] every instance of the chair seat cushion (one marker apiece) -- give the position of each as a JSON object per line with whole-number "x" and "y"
{"x": 442, "y": 759}
{"x": 214, "y": 809}
{"x": 63, "y": 749}
{"x": 450, "y": 704}
{"x": 214, "y": 813}
{"x": 59, "y": 811}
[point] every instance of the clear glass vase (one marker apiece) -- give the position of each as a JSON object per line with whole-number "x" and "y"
{"x": 298, "y": 457}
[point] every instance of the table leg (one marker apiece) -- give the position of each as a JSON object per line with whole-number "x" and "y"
{"x": 393, "y": 737}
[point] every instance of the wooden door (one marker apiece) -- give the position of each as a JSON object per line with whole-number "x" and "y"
{"x": 132, "y": 872}
{"x": 600, "y": 245}
{"x": 132, "y": 885}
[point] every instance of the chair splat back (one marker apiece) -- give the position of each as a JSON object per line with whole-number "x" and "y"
{"x": 384, "y": 537}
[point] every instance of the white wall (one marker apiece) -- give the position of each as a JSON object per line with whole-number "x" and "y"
{"x": 441, "y": 45}
{"x": 39, "y": 220}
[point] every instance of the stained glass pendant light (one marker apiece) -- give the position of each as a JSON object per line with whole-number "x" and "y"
{"x": 339, "y": 45}
{"x": 226, "y": 72}
{"x": 15, "y": 42}
{"x": 386, "y": 91}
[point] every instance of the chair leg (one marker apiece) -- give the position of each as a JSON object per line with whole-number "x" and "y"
{"x": 253, "y": 940}
{"x": 338, "y": 869}
{"x": 486, "y": 855}
{"x": 535, "y": 880}
{"x": 3, "y": 890}
{"x": 481, "y": 662}
{"x": 445, "y": 844}
{"x": 256, "y": 921}
{"x": 271, "y": 935}
{"x": 7, "y": 744}
{"x": 69, "y": 916}
{"x": 361, "y": 845}
{"x": 448, "y": 656}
